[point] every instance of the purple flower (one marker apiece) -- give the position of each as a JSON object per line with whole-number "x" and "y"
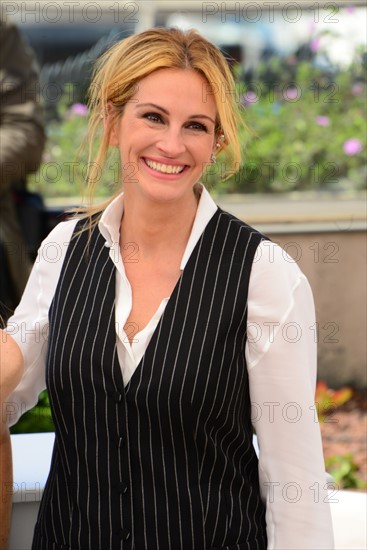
{"x": 352, "y": 146}
{"x": 291, "y": 93}
{"x": 323, "y": 120}
{"x": 315, "y": 44}
{"x": 79, "y": 109}
{"x": 351, "y": 8}
{"x": 357, "y": 88}
{"x": 249, "y": 97}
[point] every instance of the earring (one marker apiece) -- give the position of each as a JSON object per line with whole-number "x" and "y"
{"x": 221, "y": 138}
{"x": 213, "y": 157}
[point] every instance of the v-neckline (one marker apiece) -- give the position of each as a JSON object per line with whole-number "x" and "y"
{"x": 171, "y": 299}
{"x": 153, "y": 338}
{"x": 153, "y": 318}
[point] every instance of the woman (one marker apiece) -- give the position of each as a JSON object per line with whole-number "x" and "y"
{"x": 158, "y": 314}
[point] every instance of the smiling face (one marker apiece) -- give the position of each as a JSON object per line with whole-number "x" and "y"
{"x": 166, "y": 135}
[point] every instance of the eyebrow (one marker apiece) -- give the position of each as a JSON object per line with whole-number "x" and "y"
{"x": 167, "y": 112}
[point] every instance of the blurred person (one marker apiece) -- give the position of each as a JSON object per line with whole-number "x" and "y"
{"x": 151, "y": 334}
{"x": 21, "y": 144}
{"x": 22, "y": 141}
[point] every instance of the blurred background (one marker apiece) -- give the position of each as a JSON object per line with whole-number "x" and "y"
{"x": 300, "y": 69}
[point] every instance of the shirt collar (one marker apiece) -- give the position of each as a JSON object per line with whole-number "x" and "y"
{"x": 110, "y": 221}
{"x": 109, "y": 224}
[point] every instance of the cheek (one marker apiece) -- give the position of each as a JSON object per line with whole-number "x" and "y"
{"x": 206, "y": 150}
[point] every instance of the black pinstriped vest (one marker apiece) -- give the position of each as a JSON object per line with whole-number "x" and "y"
{"x": 166, "y": 462}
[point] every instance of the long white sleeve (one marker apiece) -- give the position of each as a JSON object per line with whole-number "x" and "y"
{"x": 281, "y": 357}
{"x": 281, "y": 360}
{"x": 29, "y": 323}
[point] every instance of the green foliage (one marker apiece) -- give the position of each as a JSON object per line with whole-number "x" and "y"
{"x": 344, "y": 471}
{"x": 343, "y": 468}
{"x": 62, "y": 173}
{"x": 307, "y": 132}
{"x": 327, "y": 399}
{"x": 37, "y": 419}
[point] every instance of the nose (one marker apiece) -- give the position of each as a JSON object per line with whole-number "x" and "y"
{"x": 171, "y": 142}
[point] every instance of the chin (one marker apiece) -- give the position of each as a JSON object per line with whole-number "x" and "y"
{"x": 168, "y": 191}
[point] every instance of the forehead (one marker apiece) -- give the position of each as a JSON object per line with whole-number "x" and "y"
{"x": 178, "y": 87}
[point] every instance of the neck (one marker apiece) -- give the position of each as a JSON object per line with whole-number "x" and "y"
{"x": 157, "y": 227}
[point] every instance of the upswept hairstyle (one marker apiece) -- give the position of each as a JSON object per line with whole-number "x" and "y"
{"x": 118, "y": 71}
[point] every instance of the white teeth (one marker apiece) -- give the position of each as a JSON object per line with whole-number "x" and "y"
{"x": 164, "y": 168}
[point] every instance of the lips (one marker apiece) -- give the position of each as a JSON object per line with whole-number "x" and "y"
{"x": 164, "y": 168}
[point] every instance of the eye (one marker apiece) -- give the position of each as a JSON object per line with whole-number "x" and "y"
{"x": 153, "y": 117}
{"x": 197, "y": 126}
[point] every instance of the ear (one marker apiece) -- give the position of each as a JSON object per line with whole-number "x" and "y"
{"x": 215, "y": 145}
{"x": 111, "y": 125}
{"x": 218, "y": 142}
{"x": 113, "y": 139}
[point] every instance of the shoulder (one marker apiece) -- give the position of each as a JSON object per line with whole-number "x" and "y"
{"x": 231, "y": 219}
{"x": 57, "y": 241}
{"x": 68, "y": 237}
{"x": 234, "y": 226}
{"x": 273, "y": 264}
{"x": 270, "y": 261}
{"x": 277, "y": 286}
{"x": 275, "y": 281}
{"x": 61, "y": 241}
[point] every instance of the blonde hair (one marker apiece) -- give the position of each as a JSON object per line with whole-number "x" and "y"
{"x": 119, "y": 70}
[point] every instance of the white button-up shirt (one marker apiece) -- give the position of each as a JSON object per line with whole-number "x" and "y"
{"x": 281, "y": 362}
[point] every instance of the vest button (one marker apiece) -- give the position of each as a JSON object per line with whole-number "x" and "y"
{"x": 122, "y": 487}
{"x": 125, "y": 534}
{"x": 117, "y": 397}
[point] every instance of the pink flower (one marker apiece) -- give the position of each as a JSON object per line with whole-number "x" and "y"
{"x": 79, "y": 109}
{"x": 352, "y": 146}
{"x": 357, "y": 88}
{"x": 323, "y": 120}
{"x": 351, "y": 8}
{"x": 315, "y": 44}
{"x": 291, "y": 93}
{"x": 249, "y": 98}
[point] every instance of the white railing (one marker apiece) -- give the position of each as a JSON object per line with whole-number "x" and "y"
{"x": 31, "y": 464}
